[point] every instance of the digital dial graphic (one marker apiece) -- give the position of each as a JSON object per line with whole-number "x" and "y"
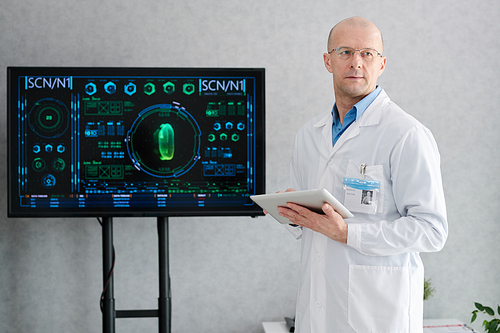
{"x": 152, "y": 139}
{"x": 49, "y": 118}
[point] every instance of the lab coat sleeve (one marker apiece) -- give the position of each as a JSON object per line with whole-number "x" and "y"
{"x": 418, "y": 195}
{"x": 295, "y": 175}
{"x": 295, "y": 184}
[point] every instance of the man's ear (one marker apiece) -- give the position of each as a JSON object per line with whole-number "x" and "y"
{"x": 382, "y": 65}
{"x": 327, "y": 61}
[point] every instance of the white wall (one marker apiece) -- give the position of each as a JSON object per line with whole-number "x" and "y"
{"x": 229, "y": 274}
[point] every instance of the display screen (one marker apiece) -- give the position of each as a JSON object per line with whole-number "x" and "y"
{"x": 135, "y": 141}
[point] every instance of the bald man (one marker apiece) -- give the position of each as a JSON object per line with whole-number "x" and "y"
{"x": 364, "y": 274}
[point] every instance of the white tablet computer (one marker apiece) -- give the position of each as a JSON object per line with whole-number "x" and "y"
{"x": 312, "y": 199}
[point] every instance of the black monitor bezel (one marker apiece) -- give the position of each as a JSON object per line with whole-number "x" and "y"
{"x": 16, "y": 211}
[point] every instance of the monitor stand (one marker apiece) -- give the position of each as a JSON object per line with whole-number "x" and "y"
{"x": 164, "y": 311}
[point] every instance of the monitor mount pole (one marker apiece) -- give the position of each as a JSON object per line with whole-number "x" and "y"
{"x": 164, "y": 312}
{"x": 108, "y": 300}
{"x": 165, "y": 299}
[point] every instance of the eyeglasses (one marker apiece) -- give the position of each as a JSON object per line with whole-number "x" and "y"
{"x": 344, "y": 52}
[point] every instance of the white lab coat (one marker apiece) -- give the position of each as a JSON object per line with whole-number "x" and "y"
{"x": 375, "y": 282}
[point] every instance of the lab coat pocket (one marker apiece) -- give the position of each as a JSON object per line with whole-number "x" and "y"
{"x": 378, "y": 299}
{"x": 371, "y": 172}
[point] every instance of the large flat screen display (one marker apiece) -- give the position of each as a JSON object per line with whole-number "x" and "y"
{"x": 135, "y": 141}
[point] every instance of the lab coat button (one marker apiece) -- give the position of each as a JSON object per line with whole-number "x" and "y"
{"x": 318, "y": 304}
{"x": 319, "y": 256}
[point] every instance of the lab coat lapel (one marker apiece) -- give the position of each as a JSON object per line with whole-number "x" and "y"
{"x": 325, "y": 126}
{"x": 370, "y": 117}
{"x": 351, "y": 132}
{"x": 324, "y": 177}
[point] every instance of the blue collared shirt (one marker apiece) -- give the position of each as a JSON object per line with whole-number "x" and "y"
{"x": 357, "y": 110}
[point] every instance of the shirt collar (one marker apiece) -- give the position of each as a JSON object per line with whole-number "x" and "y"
{"x": 360, "y": 107}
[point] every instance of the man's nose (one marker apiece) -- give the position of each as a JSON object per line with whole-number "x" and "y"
{"x": 356, "y": 60}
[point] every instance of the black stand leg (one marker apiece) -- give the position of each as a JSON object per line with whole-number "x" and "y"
{"x": 164, "y": 301}
{"x": 164, "y": 312}
{"x": 108, "y": 311}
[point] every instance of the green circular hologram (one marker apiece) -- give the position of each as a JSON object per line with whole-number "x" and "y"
{"x": 153, "y": 138}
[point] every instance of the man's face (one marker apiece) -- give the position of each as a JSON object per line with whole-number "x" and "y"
{"x": 354, "y": 78}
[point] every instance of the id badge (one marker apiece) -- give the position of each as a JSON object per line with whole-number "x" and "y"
{"x": 361, "y": 195}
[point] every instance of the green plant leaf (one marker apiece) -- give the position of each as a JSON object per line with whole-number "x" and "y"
{"x": 474, "y": 316}
{"x": 489, "y": 310}
{"x": 498, "y": 309}
{"x": 494, "y": 325}
{"x": 479, "y": 306}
